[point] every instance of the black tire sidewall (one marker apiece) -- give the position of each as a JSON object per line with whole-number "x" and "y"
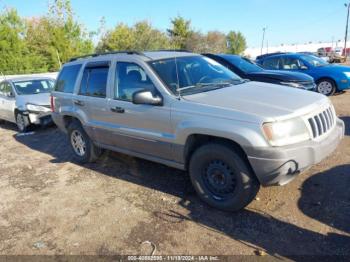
{"x": 247, "y": 185}
{"x": 25, "y": 120}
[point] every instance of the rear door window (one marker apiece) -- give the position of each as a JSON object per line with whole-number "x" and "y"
{"x": 272, "y": 63}
{"x": 94, "y": 81}
{"x": 67, "y": 79}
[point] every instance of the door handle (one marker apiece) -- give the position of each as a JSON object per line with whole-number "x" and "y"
{"x": 79, "y": 103}
{"x": 118, "y": 109}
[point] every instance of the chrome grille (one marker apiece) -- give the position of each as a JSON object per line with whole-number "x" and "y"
{"x": 322, "y": 123}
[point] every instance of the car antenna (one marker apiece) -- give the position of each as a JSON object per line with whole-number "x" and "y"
{"x": 177, "y": 76}
{"x": 3, "y": 76}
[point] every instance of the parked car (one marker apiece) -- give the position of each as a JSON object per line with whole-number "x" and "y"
{"x": 329, "y": 78}
{"x": 247, "y": 69}
{"x": 26, "y": 101}
{"x": 325, "y": 51}
{"x": 187, "y": 111}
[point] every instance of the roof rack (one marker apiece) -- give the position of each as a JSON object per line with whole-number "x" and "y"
{"x": 170, "y": 50}
{"x": 128, "y": 52}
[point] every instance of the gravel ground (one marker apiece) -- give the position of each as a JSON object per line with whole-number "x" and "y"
{"x": 122, "y": 205}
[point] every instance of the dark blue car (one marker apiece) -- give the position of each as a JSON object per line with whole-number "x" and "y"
{"x": 247, "y": 69}
{"x": 329, "y": 78}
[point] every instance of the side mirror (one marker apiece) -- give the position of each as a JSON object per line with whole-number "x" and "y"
{"x": 10, "y": 94}
{"x": 145, "y": 97}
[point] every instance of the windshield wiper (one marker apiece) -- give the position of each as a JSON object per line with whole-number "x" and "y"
{"x": 198, "y": 85}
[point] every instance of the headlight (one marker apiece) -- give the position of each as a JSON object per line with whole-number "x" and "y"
{"x": 37, "y": 108}
{"x": 286, "y": 132}
{"x": 347, "y": 74}
{"x": 293, "y": 84}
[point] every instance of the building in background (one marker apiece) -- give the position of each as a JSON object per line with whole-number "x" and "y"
{"x": 308, "y": 47}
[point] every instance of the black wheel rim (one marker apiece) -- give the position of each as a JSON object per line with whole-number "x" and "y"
{"x": 220, "y": 179}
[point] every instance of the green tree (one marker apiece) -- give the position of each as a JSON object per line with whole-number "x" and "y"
{"x": 180, "y": 32}
{"x": 142, "y": 36}
{"x": 236, "y": 42}
{"x": 120, "y": 38}
{"x": 57, "y": 37}
{"x": 14, "y": 55}
{"x": 216, "y": 42}
{"x": 212, "y": 42}
{"x": 148, "y": 38}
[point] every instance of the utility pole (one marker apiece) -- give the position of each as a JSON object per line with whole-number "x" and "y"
{"x": 346, "y": 30}
{"x": 263, "y": 38}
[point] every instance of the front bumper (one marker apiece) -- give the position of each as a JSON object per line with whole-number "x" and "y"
{"x": 280, "y": 165}
{"x": 40, "y": 118}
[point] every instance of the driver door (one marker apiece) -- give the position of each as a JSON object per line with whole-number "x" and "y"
{"x": 144, "y": 129}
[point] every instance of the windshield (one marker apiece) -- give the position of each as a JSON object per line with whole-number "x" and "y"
{"x": 314, "y": 61}
{"x": 193, "y": 74}
{"x": 243, "y": 64}
{"x": 34, "y": 86}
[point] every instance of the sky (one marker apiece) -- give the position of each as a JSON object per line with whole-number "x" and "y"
{"x": 287, "y": 21}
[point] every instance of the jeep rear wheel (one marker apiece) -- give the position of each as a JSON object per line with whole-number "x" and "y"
{"x": 82, "y": 146}
{"x": 222, "y": 178}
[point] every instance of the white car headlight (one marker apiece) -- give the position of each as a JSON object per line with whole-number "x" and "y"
{"x": 37, "y": 108}
{"x": 287, "y": 132}
{"x": 347, "y": 74}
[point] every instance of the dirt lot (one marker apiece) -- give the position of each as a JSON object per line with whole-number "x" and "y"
{"x": 123, "y": 205}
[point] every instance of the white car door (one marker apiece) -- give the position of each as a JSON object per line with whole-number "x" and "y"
{"x": 2, "y": 101}
{"x": 7, "y": 102}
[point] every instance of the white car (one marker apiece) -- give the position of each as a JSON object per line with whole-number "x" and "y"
{"x": 26, "y": 101}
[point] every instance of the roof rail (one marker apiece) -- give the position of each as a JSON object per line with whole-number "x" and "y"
{"x": 270, "y": 54}
{"x": 170, "y": 50}
{"x": 128, "y": 52}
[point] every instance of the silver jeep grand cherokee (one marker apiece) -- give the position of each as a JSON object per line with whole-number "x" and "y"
{"x": 189, "y": 112}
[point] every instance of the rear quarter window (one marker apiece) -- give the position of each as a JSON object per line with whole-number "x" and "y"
{"x": 66, "y": 80}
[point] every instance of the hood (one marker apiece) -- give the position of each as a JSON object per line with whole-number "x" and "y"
{"x": 283, "y": 76}
{"x": 267, "y": 101}
{"x": 42, "y": 99}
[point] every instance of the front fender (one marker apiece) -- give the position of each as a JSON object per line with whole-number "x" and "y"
{"x": 245, "y": 134}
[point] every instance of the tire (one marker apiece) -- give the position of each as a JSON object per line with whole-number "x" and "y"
{"x": 22, "y": 122}
{"x": 222, "y": 178}
{"x": 326, "y": 87}
{"x": 85, "y": 151}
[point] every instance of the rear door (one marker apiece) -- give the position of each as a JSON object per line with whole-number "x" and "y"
{"x": 64, "y": 88}
{"x": 91, "y": 101}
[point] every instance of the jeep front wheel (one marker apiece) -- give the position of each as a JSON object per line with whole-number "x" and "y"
{"x": 222, "y": 178}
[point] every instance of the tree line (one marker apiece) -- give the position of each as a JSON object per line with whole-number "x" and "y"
{"x": 42, "y": 44}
